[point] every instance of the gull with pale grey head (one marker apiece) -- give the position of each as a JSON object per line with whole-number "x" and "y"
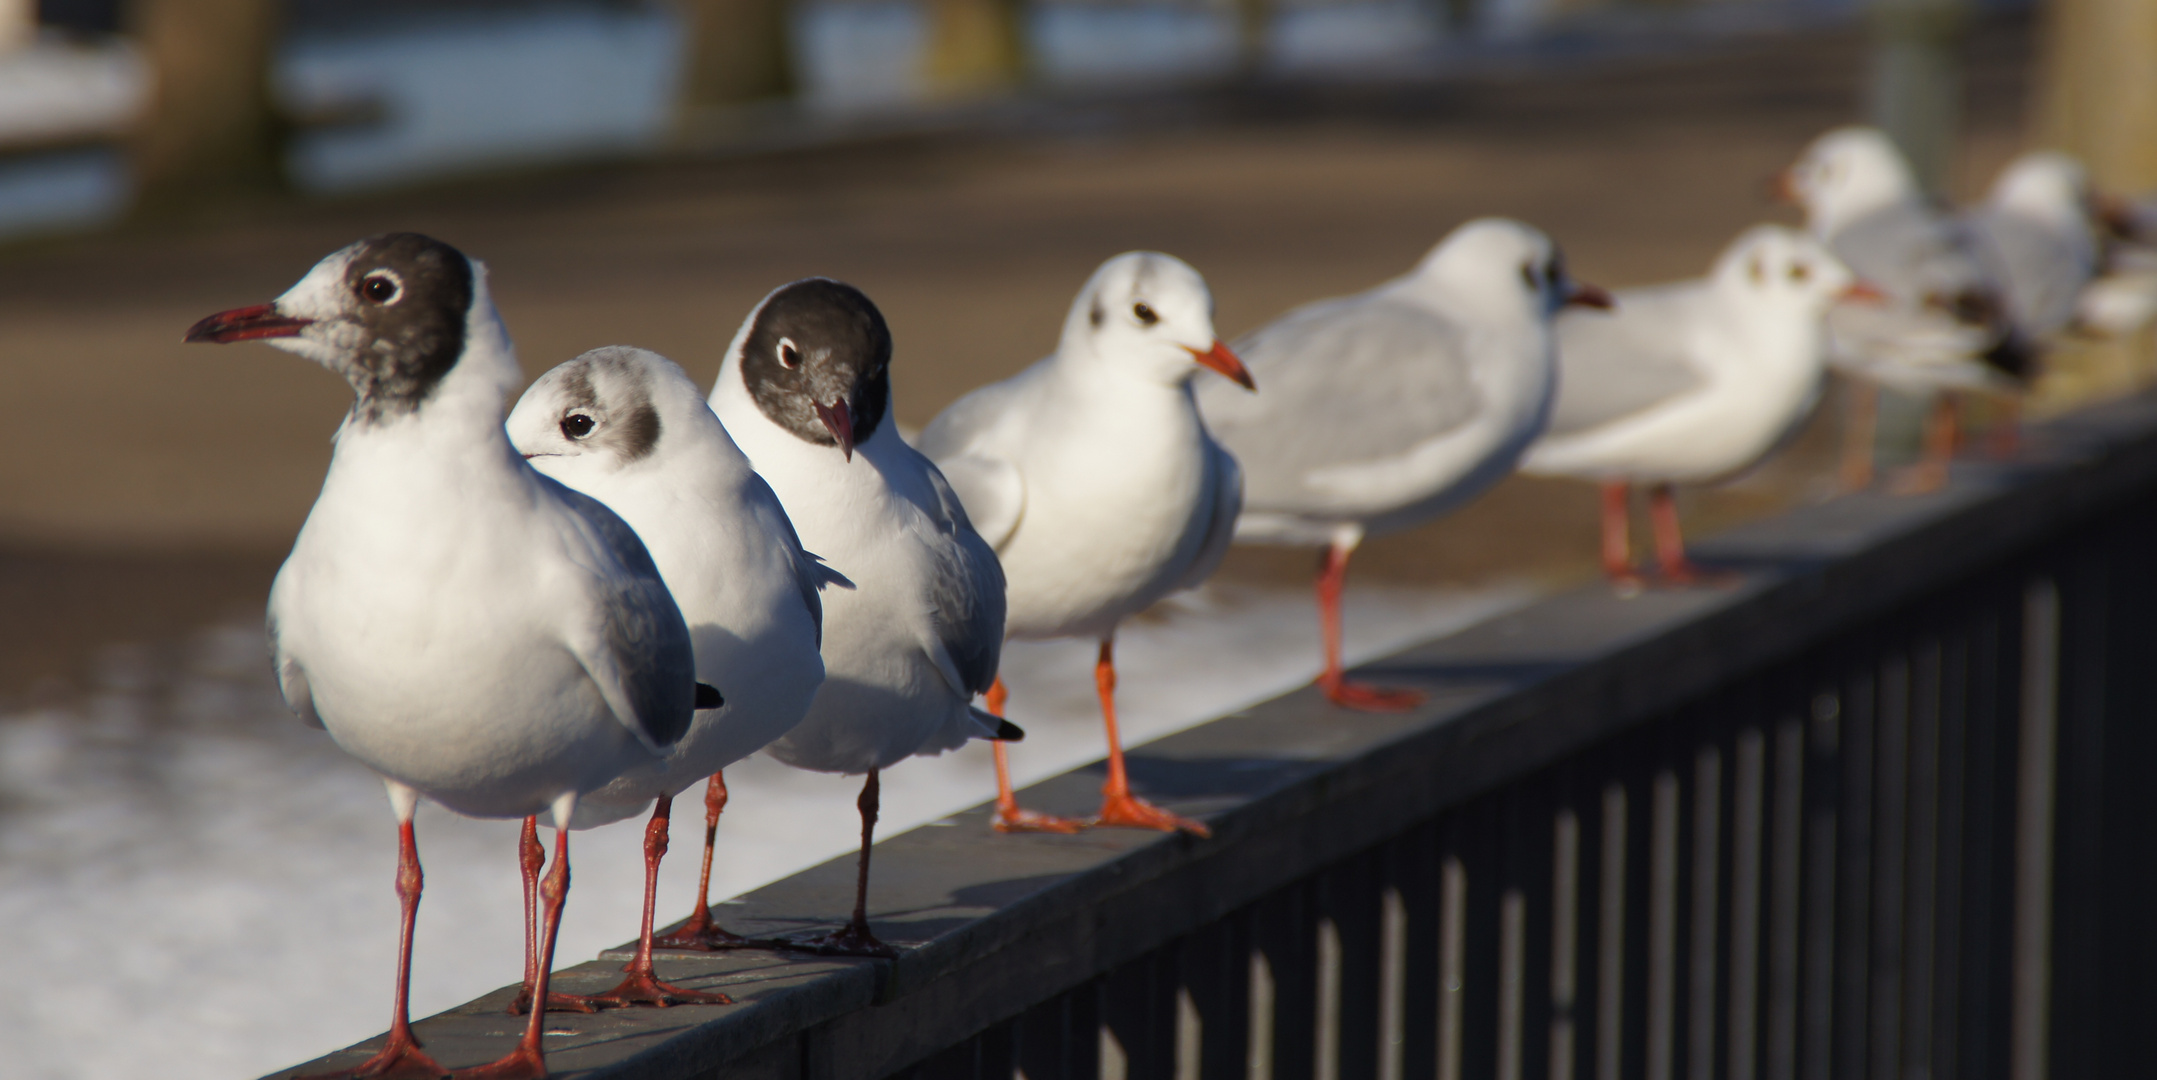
{"x": 628, "y": 427}
{"x": 476, "y": 633}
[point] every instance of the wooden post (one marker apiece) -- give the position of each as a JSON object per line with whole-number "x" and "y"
{"x": 2097, "y": 94}
{"x": 975, "y": 47}
{"x": 740, "y": 52}
{"x": 210, "y": 128}
{"x": 1254, "y": 30}
{"x": 1916, "y": 94}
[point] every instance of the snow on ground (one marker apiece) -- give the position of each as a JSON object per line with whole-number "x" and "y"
{"x": 177, "y": 852}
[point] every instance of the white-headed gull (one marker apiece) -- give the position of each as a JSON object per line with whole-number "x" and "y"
{"x": 628, "y": 427}
{"x": 1093, "y": 477}
{"x": 2038, "y": 233}
{"x": 1943, "y": 325}
{"x": 1690, "y": 382}
{"x": 806, "y": 391}
{"x": 473, "y": 631}
{"x": 1390, "y": 407}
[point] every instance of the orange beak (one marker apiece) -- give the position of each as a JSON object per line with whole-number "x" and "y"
{"x": 1863, "y": 292}
{"x": 1585, "y": 295}
{"x": 839, "y": 420}
{"x": 1225, "y": 362}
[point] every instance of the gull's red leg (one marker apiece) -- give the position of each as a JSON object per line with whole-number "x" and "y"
{"x": 641, "y": 985}
{"x": 1670, "y": 560}
{"x": 1009, "y": 817}
{"x": 531, "y": 858}
{"x": 529, "y": 1061}
{"x": 1118, "y": 805}
{"x": 1334, "y": 681}
{"x": 400, "y": 1058}
{"x": 1617, "y": 541}
{"x": 1942, "y": 432}
{"x": 701, "y": 931}
{"x": 2005, "y": 439}
{"x": 855, "y": 939}
{"x": 1860, "y": 418}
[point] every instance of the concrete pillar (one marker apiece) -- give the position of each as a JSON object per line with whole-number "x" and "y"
{"x": 740, "y": 51}
{"x": 210, "y": 128}
{"x": 974, "y": 47}
{"x": 1916, "y": 90}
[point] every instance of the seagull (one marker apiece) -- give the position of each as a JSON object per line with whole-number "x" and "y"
{"x": 1093, "y": 477}
{"x": 473, "y": 631}
{"x": 1390, "y": 407}
{"x": 627, "y": 427}
{"x": 1945, "y": 326}
{"x": 1690, "y": 382}
{"x": 2037, "y": 232}
{"x": 805, "y": 389}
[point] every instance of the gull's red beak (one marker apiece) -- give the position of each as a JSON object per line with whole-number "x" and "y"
{"x": 246, "y": 324}
{"x": 1220, "y": 359}
{"x": 1863, "y": 292}
{"x": 1782, "y": 188}
{"x": 1586, "y": 295}
{"x": 840, "y": 421}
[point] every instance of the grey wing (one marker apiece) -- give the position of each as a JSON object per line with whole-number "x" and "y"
{"x": 291, "y": 677}
{"x": 1221, "y": 527}
{"x": 633, "y": 644}
{"x": 1614, "y": 364}
{"x": 810, "y": 573}
{"x": 977, "y": 418}
{"x": 1341, "y": 381}
{"x": 966, "y": 594}
{"x": 1921, "y": 258}
{"x": 2040, "y": 268}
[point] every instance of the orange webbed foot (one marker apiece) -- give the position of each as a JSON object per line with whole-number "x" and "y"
{"x": 1012, "y": 819}
{"x": 402, "y": 1059}
{"x": 644, "y": 990}
{"x": 1131, "y": 812}
{"x": 523, "y": 1063}
{"x": 852, "y": 940}
{"x": 1363, "y": 697}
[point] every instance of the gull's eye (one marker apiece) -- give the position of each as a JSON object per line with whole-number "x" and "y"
{"x": 382, "y": 287}
{"x": 1755, "y": 271}
{"x": 577, "y": 425}
{"x": 1146, "y": 315}
{"x": 789, "y": 354}
{"x": 1800, "y": 273}
{"x": 1527, "y": 277}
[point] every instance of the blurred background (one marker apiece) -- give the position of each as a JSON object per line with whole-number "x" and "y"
{"x": 180, "y": 859}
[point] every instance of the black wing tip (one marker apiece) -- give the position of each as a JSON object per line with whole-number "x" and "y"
{"x": 708, "y": 696}
{"x": 1006, "y": 731}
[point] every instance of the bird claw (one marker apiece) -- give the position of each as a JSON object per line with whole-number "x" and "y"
{"x": 1131, "y": 812}
{"x": 557, "y": 1002}
{"x": 1365, "y": 698}
{"x": 705, "y": 937}
{"x": 644, "y": 990}
{"x": 1011, "y": 819}
{"x": 523, "y": 1063}
{"x": 853, "y": 940}
{"x": 399, "y": 1060}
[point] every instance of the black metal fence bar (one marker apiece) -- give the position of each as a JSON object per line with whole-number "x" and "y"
{"x": 1877, "y": 809}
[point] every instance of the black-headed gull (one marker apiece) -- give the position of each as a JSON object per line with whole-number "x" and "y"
{"x": 805, "y": 389}
{"x": 473, "y": 631}
{"x": 1390, "y": 407}
{"x": 1093, "y": 477}
{"x": 1943, "y": 326}
{"x": 628, "y": 427}
{"x": 1690, "y": 382}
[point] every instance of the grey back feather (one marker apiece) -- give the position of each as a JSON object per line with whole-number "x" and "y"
{"x": 966, "y": 594}
{"x": 1616, "y": 363}
{"x": 641, "y": 626}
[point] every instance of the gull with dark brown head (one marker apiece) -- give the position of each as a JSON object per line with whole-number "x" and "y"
{"x": 476, "y": 633}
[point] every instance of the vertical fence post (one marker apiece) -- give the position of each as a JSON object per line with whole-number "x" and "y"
{"x": 2031, "y": 1019}
{"x": 210, "y": 129}
{"x": 739, "y": 52}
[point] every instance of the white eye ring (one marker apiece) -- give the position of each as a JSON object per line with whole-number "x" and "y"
{"x": 396, "y": 286}
{"x": 789, "y": 354}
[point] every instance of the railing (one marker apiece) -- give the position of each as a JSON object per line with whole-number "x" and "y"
{"x": 1880, "y": 806}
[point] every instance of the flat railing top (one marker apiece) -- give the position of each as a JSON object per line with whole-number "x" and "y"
{"x": 989, "y": 924}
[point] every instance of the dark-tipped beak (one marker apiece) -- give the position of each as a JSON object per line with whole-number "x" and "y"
{"x": 1220, "y": 359}
{"x": 1583, "y": 294}
{"x": 2115, "y": 215}
{"x": 1782, "y": 187}
{"x": 840, "y": 421}
{"x": 1863, "y": 292}
{"x": 246, "y": 324}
